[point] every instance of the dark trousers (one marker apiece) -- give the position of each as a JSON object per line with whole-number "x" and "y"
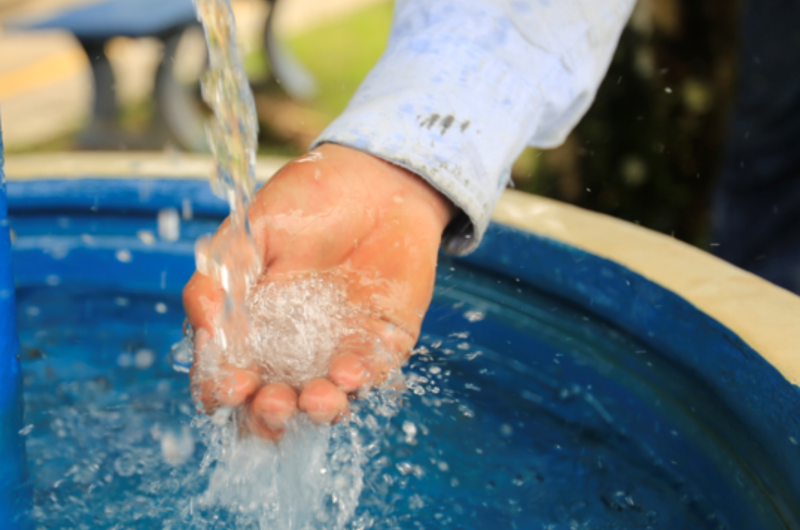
{"x": 756, "y": 202}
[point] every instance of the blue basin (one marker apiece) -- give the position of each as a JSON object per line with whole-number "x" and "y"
{"x": 579, "y": 394}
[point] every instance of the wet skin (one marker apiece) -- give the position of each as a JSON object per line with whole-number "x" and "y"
{"x": 345, "y": 213}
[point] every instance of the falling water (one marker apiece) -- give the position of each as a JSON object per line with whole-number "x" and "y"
{"x": 231, "y": 258}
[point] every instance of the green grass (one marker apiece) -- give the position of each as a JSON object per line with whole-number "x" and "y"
{"x": 340, "y": 54}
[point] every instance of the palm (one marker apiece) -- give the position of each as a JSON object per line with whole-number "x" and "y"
{"x": 371, "y": 227}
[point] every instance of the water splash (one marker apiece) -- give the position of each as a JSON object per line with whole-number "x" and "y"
{"x": 286, "y": 331}
{"x": 231, "y": 258}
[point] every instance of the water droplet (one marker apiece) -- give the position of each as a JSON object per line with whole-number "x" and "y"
{"x": 126, "y": 465}
{"x": 177, "y": 448}
{"x": 25, "y": 431}
{"x": 146, "y": 236}
{"x": 144, "y": 359}
{"x": 169, "y": 224}
{"x": 124, "y": 360}
{"x": 474, "y": 316}
{"x": 59, "y": 252}
{"x": 186, "y": 209}
{"x": 124, "y": 255}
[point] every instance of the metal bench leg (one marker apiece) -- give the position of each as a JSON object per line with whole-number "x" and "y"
{"x": 179, "y": 107}
{"x": 102, "y": 132}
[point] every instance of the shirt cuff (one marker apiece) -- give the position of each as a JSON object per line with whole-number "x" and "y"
{"x": 449, "y": 111}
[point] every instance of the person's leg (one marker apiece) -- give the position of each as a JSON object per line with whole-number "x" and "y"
{"x": 756, "y": 203}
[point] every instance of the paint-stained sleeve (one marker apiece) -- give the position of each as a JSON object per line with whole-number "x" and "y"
{"x": 465, "y": 85}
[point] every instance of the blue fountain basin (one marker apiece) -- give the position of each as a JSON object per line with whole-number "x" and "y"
{"x": 557, "y": 389}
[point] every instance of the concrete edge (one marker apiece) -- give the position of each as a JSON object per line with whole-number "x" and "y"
{"x": 110, "y": 164}
{"x": 763, "y": 315}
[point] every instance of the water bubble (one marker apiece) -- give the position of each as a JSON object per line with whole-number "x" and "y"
{"x": 177, "y": 448}
{"x": 146, "y": 236}
{"x": 122, "y": 301}
{"x": 472, "y": 356}
{"x": 52, "y": 280}
{"x": 415, "y": 502}
{"x": 124, "y": 360}
{"x": 169, "y": 224}
{"x": 411, "y": 432}
{"x": 186, "y": 209}
{"x": 32, "y": 311}
{"x": 25, "y": 431}
{"x": 59, "y": 252}
{"x": 161, "y": 307}
{"x": 124, "y": 255}
{"x": 126, "y": 465}
{"x": 474, "y": 316}
{"x": 181, "y": 355}
{"x": 144, "y": 359}
{"x": 506, "y": 429}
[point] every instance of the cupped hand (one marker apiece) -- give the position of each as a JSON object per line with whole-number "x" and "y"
{"x": 347, "y": 214}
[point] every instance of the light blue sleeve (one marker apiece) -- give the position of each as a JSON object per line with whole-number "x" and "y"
{"x": 465, "y": 85}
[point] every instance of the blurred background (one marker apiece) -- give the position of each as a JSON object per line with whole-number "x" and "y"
{"x": 646, "y": 152}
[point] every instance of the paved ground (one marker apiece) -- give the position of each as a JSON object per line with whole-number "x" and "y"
{"x": 45, "y": 82}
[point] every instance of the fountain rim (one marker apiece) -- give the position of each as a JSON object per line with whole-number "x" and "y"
{"x": 757, "y": 311}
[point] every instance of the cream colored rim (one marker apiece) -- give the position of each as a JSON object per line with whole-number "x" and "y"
{"x": 763, "y": 315}
{"x": 123, "y": 164}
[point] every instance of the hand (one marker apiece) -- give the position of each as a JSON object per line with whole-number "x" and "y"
{"x": 343, "y": 212}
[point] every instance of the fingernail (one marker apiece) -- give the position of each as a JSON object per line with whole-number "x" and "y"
{"x": 276, "y": 423}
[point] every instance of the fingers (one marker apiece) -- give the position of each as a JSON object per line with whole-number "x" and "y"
{"x": 229, "y": 387}
{"x": 203, "y": 300}
{"x": 349, "y": 372}
{"x": 323, "y": 401}
{"x": 236, "y": 386}
{"x": 274, "y": 405}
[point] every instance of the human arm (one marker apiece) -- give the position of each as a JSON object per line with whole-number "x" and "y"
{"x": 463, "y": 87}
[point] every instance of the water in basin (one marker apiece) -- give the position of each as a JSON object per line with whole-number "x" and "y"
{"x": 520, "y": 412}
